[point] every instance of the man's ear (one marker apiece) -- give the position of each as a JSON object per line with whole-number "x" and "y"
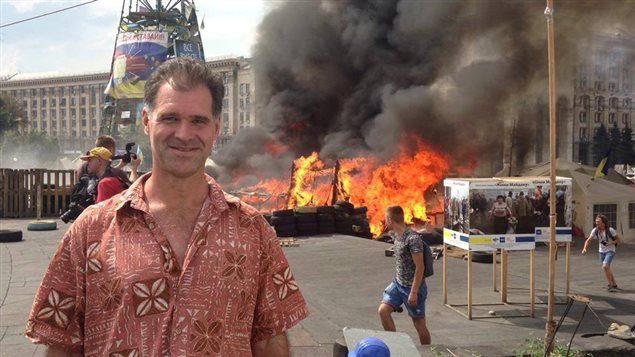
{"x": 145, "y": 115}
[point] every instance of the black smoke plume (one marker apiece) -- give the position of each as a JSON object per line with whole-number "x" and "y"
{"x": 350, "y": 77}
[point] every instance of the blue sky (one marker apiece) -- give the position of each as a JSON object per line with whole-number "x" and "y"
{"x": 82, "y": 39}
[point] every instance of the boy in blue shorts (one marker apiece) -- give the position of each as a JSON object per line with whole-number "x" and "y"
{"x": 408, "y": 287}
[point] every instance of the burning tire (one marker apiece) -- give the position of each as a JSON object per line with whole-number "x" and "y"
{"x": 285, "y": 230}
{"x": 282, "y": 213}
{"x": 343, "y": 206}
{"x": 10, "y": 236}
{"x": 307, "y": 227}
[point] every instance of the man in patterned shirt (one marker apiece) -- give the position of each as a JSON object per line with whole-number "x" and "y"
{"x": 408, "y": 287}
{"x": 173, "y": 266}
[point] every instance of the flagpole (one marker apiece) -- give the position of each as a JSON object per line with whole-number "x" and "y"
{"x": 550, "y": 324}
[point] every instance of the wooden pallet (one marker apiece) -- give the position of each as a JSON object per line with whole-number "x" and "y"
{"x": 289, "y": 242}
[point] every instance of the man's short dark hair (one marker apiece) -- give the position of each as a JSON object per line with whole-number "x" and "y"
{"x": 105, "y": 141}
{"x": 184, "y": 74}
{"x": 395, "y": 212}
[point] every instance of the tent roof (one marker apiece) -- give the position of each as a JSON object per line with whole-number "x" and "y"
{"x": 564, "y": 167}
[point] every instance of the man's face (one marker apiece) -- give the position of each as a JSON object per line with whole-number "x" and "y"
{"x": 94, "y": 165}
{"x": 388, "y": 220}
{"x": 182, "y": 130}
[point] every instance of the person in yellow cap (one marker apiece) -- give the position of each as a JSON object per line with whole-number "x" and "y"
{"x": 98, "y": 159}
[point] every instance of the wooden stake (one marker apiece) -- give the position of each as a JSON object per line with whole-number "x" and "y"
{"x": 494, "y": 269}
{"x": 550, "y": 324}
{"x": 445, "y": 281}
{"x": 469, "y": 284}
{"x": 504, "y": 275}
{"x": 532, "y": 292}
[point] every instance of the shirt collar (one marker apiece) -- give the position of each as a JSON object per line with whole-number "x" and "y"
{"x": 134, "y": 196}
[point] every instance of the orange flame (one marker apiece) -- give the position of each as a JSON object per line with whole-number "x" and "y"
{"x": 363, "y": 181}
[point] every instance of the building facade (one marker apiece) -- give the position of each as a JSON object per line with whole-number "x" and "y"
{"x": 69, "y": 107}
{"x": 602, "y": 94}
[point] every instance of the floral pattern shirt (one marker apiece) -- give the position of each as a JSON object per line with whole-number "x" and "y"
{"x": 114, "y": 287}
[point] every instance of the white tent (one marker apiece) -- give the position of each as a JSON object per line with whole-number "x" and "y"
{"x": 599, "y": 194}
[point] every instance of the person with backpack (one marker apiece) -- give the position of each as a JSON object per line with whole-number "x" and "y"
{"x": 409, "y": 286}
{"x": 608, "y": 238}
{"x": 98, "y": 159}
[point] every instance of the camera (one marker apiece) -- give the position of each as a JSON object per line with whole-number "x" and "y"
{"x": 82, "y": 196}
{"x": 127, "y": 156}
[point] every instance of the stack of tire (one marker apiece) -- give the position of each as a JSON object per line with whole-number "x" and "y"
{"x": 360, "y": 227}
{"x": 306, "y": 220}
{"x": 283, "y": 221}
{"x": 342, "y": 215}
{"x": 326, "y": 219}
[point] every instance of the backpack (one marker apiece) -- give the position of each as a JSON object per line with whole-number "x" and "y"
{"x": 428, "y": 260}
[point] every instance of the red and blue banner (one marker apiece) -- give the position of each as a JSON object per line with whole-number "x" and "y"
{"x": 136, "y": 56}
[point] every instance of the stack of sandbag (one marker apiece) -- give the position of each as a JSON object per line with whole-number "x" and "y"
{"x": 283, "y": 221}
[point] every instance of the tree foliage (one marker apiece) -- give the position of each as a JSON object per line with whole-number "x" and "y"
{"x": 601, "y": 144}
{"x": 10, "y": 115}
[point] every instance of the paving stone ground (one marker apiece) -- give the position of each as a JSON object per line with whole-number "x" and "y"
{"x": 342, "y": 279}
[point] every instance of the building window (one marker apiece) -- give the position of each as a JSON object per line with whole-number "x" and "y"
{"x": 242, "y": 89}
{"x": 598, "y": 117}
{"x": 53, "y": 114}
{"x": 93, "y": 112}
{"x": 42, "y": 91}
{"x": 73, "y": 89}
{"x": 582, "y": 133}
{"x": 627, "y": 103}
{"x": 44, "y": 102}
{"x": 242, "y": 117}
{"x": 93, "y": 123}
{"x": 53, "y": 102}
{"x": 93, "y": 95}
{"x": 61, "y": 90}
{"x": 51, "y": 91}
{"x": 247, "y": 89}
{"x": 612, "y": 86}
{"x": 63, "y": 123}
{"x": 599, "y": 103}
{"x": 247, "y": 104}
{"x": 53, "y": 123}
{"x": 82, "y": 101}
{"x": 613, "y": 103}
{"x": 34, "y": 113}
{"x": 83, "y": 123}
{"x": 226, "y": 118}
{"x": 242, "y": 104}
{"x": 609, "y": 210}
{"x": 73, "y": 114}
{"x": 625, "y": 118}
{"x": 225, "y": 104}
{"x": 63, "y": 113}
{"x": 34, "y": 103}
{"x": 43, "y": 114}
{"x": 611, "y": 118}
{"x": 631, "y": 215}
{"x": 33, "y": 92}
{"x": 598, "y": 85}
{"x": 73, "y": 101}
{"x": 226, "y": 90}
{"x": 82, "y": 113}
{"x": 63, "y": 102}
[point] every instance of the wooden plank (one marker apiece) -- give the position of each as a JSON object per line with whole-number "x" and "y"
{"x": 469, "y": 284}
{"x": 445, "y": 282}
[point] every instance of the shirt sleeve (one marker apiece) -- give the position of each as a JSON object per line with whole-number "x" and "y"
{"x": 57, "y": 315}
{"x": 279, "y": 304}
{"x": 108, "y": 187}
{"x": 415, "y": 243}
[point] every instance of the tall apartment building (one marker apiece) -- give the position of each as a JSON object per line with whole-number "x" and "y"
{"x": 69, "y": 107}
{"x": 603, "y": 93}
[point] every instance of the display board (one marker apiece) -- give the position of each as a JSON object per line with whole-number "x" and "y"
{"x": 510, "y": 213}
